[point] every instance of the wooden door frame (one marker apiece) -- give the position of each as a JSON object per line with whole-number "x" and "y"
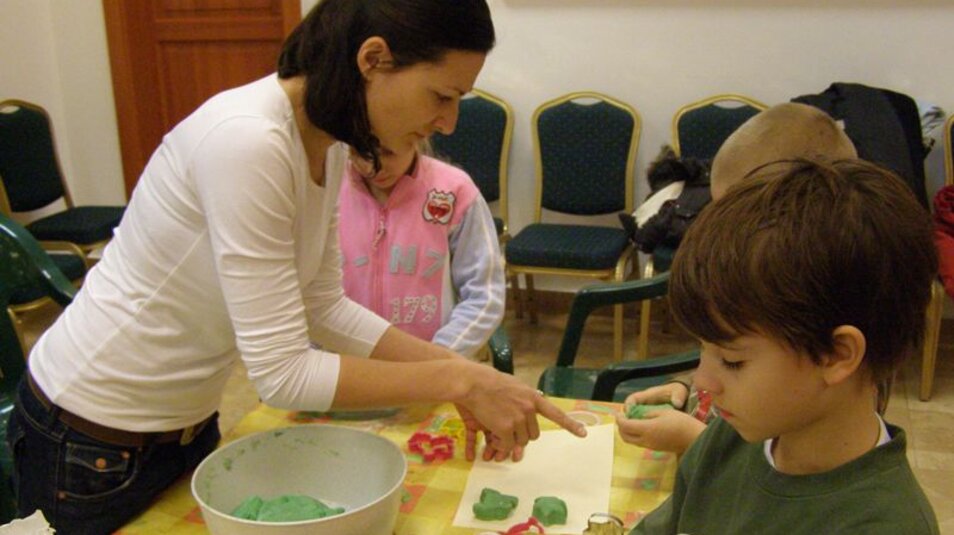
{"x": 134, "y": 98}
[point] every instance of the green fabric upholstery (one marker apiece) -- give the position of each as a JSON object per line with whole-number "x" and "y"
{"x": 82, "y": 225}
{"x": 584, "y": 150}
{"x": 27, "y": 158}
{"x": 499, "y": 225}
{"x": 662, "y": 258}
{"x": 476, "y": 144}
{"x": 23, "y": 264}
{"x": 703, "y": 130}
{"x": 32, "y": 179}
{"x": 566, "y": 246}
{"x": 616, "y": 381}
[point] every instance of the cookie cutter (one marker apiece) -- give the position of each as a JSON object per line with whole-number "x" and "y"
{"x": 604, "y": 524}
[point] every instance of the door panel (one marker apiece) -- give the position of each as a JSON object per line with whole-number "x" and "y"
{"x": 169, "y": 56}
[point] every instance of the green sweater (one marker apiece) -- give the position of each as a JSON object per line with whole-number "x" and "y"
{"x": 726, "y": 486}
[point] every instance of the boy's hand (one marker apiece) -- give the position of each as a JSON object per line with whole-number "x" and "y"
{"x": 674, "y": 393}
{"x": 664, "y": 430}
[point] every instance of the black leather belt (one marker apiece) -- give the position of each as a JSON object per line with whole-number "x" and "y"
{"x": 117, "y": 437}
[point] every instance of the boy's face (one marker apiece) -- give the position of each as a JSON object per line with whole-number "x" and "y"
{"x": 761, "y": 388}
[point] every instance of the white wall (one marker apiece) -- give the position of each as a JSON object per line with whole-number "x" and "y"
{"x": 654, "y": 54}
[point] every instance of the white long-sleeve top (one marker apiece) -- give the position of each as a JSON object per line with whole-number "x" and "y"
{"x": 227, "y": 249}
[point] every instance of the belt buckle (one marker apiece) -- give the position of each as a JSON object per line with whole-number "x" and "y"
{"x": 188, "y": 434}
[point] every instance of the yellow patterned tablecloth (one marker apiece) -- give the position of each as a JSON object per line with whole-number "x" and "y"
{"x": 641, "y": 478}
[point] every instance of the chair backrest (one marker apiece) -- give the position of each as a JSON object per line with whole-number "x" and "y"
{"x": 480, "y": 144}
{"x": 949, "y": 151}
{"x": 29, "y": 169}
{"x": 597, "y": 296}
{"x": 585, "y": 148}
{"x": 22, "y": 263}
{"x": 699, "y": 128}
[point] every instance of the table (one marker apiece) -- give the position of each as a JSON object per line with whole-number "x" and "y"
{"x": 641, "y": 478}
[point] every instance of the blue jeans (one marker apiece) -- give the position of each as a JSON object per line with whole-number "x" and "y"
{"x": 86, "y": 486}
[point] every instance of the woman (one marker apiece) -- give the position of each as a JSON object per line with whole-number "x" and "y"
{"x": 228, "y": 250}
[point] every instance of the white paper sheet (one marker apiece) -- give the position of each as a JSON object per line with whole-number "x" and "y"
{"x": 579, "y": 471}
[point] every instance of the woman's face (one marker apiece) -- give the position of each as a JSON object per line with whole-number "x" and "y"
{"x": 407, "y": 105}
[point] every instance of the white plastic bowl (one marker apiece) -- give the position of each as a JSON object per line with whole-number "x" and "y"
{"x": 360, "y": 471}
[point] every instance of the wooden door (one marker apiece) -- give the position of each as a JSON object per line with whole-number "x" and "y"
{"x": 169, "y": 56}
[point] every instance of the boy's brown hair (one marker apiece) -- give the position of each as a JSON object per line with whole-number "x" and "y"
{"x": 803, "y": 247}
{"x": 783, "y": 132}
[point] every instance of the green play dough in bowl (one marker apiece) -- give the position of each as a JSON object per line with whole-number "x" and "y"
{"x": 639, "y": 410}
{"x": 285, "y": 508}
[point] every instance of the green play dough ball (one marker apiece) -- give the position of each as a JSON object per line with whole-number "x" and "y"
{"x": 286, "y": 508}
{"x": 249, "y": 509}
{"x": 639, "y": 411}
{"x": 549, "y": 510}
{"x": 493, "y": 505}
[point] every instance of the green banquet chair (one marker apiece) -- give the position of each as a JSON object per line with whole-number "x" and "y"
{"x": 23, "y": 265}
{"x": 698, "y": 130}
{"x": 585, "y": 149}
{"x": 31, "y": 178}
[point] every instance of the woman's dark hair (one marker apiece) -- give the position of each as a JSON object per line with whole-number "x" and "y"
{"x": 324, "y": 49}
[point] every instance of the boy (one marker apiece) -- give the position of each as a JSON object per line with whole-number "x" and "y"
{"x": 807, "y": 286}
{"x": 782, "y": 132}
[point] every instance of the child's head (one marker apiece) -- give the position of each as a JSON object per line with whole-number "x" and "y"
{"x": 394, "y": 166}
{"x": 825, "y": 268}
{"x": 782, "y": 132}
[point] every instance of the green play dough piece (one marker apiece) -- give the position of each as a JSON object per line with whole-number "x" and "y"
{"x": 493, "y": 505}
{"x": 639, "y": 410}
{"x": 286, "y": 508}
{"x": 549, "y": 510}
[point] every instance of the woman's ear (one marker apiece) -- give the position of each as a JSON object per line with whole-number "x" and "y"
{"x": 847, "y": 355}
{"x": 373, "y": 53}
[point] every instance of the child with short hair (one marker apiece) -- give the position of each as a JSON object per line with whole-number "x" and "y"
{"x": 807, "y": 286}
{"x": 784, "y": 131}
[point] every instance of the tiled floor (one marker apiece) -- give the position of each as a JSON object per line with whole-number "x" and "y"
{"x": 930, "y": 425}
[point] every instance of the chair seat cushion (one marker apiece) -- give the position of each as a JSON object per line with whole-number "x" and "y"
{"x": 71, "y": 265}
{"x": 578, "y": 383}
{"x": 83, "y": 225}
{"x": 566, "y": 246}
{"x": 662, "y": 258}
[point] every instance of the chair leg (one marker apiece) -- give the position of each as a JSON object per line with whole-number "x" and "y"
{"x": 531, "y": 299}
{"x": 618, "y": 332}
{"x": 516, "y": 294}
{"x": 931, "y": 336}
{"x": 642, "y": 345}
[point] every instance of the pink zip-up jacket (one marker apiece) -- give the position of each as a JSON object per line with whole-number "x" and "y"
{"x": 428, "y": 259}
